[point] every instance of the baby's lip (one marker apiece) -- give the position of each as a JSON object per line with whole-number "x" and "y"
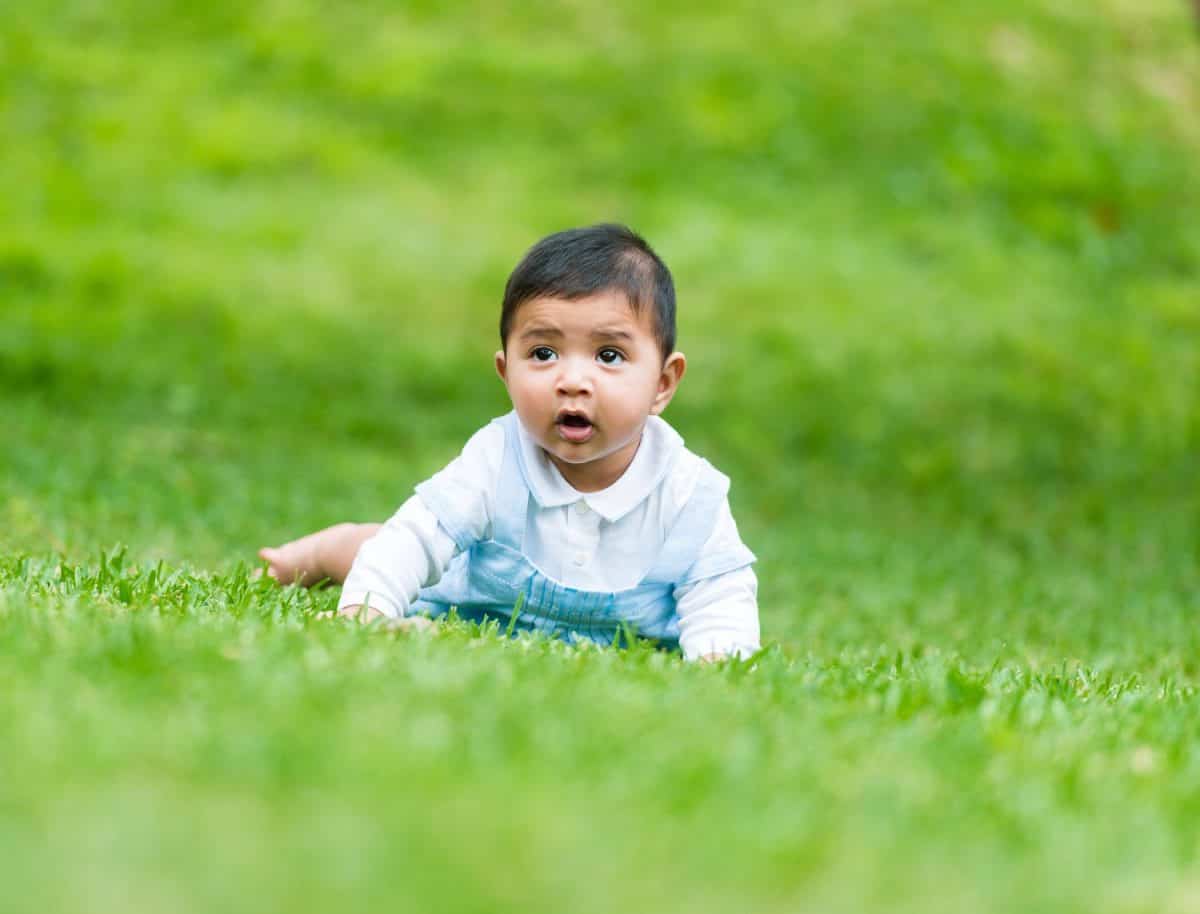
{"x": 574, "y": 417}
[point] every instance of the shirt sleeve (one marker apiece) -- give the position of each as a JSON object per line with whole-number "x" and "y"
{"x": 413, "y": 549}
{"x": 719, "y": 614}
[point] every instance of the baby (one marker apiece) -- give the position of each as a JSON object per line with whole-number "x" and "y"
{"x": 580, "y": 513}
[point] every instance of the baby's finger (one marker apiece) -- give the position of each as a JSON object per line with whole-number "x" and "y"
{"x": 410, "y": 623}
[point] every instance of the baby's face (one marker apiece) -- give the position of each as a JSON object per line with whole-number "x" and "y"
{"x": 583, "y": 376}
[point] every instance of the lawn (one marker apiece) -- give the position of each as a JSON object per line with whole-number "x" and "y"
{"x": 939, "y": 282}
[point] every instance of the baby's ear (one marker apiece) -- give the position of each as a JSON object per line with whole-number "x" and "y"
{"x": 501, "y": 365}
{"x": 668, "y": 381}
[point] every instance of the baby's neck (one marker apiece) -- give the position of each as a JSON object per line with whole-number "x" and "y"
{"x": 597, "y": 475}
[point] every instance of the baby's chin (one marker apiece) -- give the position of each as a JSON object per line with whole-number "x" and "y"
{"x": 571, "y": 453}
{"x": 593, "y": 451}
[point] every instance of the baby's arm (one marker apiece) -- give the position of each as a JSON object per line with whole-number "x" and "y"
{"x": 407, "y": 553}
{"x": 325, "y": 555}
{"x": 718, "y": 614}
{"x": 414, "y": 548}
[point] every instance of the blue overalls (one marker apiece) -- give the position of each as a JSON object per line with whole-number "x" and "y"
{"x": 488, "y": 578}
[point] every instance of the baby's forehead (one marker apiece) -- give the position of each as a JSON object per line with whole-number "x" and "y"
{"x": 604, "y": 310}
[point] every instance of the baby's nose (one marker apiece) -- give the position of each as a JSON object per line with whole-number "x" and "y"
{"x": 574, "y": 379}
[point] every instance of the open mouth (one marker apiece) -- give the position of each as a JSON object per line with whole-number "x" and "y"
{"x": 574, "y": 427}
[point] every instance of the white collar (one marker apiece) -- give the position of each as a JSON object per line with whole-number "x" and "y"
{"x": 656, "y": 453}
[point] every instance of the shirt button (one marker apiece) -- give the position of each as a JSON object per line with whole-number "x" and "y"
{"x": 581, "y": 507}
{"x": 580, "y": 558}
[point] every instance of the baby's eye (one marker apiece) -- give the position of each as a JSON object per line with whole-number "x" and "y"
{"x": 543, "y": 354}
{"x": 610, "y": 356}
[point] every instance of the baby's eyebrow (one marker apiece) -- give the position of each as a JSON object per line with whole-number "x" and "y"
{"x": 612, "y": 333}
{"x": 540, "y": 330}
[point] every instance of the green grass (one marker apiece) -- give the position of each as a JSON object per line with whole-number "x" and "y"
{"x": 939, "y": 276}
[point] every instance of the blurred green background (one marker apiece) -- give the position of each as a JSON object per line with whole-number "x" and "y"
{"x": 938, "y": 278}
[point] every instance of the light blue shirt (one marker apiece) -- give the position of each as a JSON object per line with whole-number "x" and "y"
{"x": 656, "y": 553}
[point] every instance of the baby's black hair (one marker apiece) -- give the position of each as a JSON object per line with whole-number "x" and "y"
{"x": 580, "y": 262}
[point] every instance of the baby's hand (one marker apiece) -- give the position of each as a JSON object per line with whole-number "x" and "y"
{"x": 411, "y": 623}
{"x": 295, "y": 562}
{"x": 326, "y": 555}
{"x": 369, "y": 615}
